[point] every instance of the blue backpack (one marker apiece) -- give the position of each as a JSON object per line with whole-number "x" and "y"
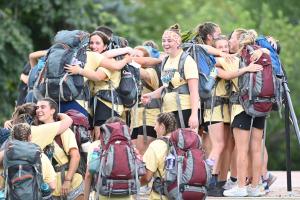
{"x": 206, "y": 65}
{"x": 276, "y": 64}
{"x": 34, "y": 80}
{"x": 277, "y": 71}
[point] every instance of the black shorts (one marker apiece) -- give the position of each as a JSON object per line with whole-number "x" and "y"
{"x": 206, "y": 124}
{"x": 186, "y": 116}
{"x": 139, "y": 131}
{"x": 102, "y": 113}
{"x": 243, "y": 121}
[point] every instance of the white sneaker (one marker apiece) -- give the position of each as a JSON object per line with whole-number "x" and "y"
{"x": 257, "y": 191}
{"x": 229, "y": 184}
{"x": 236, "y": 192}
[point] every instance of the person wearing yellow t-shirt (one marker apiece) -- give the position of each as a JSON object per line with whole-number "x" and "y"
{"x": 88, "y": 176}
{"x": 143, "y": 117}
{"x": 103, "y": 73}
{"x": 156, "y": 153}
{"x": 22, "y": 132}
{"x": 65, "y": 154}
{"x": 240, "y": 122}
{"x": 184, "y": 103}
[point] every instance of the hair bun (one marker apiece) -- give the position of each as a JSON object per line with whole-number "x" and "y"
{"x": 175, "y": 27}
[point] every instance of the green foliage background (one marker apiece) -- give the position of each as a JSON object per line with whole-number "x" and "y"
{"x": 29, "y": 25}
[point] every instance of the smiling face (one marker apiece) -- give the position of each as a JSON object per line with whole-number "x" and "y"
{"x": 171, "y": 42}
{"x": 97, "y": 44}
{"x": 223, "y": 45}
{"x": 44, "y": 112}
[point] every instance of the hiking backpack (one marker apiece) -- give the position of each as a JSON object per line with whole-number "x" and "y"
{"x": 69, "y": 48}
{"x": 129, "y": 89}
{"x": 256, "y": 89}
{"x": 186, "y": 173}
{"x": 80, "y": 127}
{"x": 34, "y": 80}
{"x": 119, "y": 169}
{"x": 23, "y": 171}
{"x": 206, "y": 66}
{"x": 277, "y": 70}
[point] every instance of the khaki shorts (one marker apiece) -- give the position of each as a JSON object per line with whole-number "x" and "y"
{"x": 73, "y": 194}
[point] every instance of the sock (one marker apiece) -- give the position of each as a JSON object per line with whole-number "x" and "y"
{"x": 233, "y": 179}
{"x": 210, "y": 162}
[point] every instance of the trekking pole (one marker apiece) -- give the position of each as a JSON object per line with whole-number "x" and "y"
{"x": 288, "y": 149}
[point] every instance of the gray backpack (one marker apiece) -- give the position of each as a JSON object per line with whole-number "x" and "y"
{"x": 22, "y": 171}
{"x": 69, "y": 48}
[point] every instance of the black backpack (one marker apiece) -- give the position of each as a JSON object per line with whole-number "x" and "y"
{"x": 22, "y": 170}
{"x": 128, "y": 89}
{"x": 69, "y": 48}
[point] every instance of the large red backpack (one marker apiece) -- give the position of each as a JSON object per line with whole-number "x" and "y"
{"x": 257, "y": 90}
{"x": 188, "y": 176}
{"x": 119, "y": 167}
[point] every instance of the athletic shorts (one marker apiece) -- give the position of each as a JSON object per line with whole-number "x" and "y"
{"x": 73, "y": 194}
{"x": 102, "y": 113}
{"x": 243, "y": 121}
{"x": 186, "y": 116}
{"x": 139, "y": 131}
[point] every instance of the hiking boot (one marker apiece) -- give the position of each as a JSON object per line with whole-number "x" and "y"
{"x": 236, "y": 192}
{"x": 229, "y": 184}
{"x": 215, "y": 191}
{"x": 257, "y": 191}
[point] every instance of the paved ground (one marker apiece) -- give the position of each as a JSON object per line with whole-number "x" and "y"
{"x": 279, "y": 188}
{"x": 277, "y": 191}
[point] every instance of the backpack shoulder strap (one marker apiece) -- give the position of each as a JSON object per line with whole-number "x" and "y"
{"x": 182, "y": 60}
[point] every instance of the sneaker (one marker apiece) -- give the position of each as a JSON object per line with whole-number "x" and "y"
{"x": 229, "y": 184}
{"x": 215, "y": 191}
{"x": 236, "y": 192}
{"x": 269, "y": 181}
{"x": 257, "y": 191}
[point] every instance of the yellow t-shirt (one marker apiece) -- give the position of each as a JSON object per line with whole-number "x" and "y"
{"x": 190, "y": 72}
{"x": 215, "y": 114}
{"x": 151, "y": 114}
{"x": 154, "y": 159}
{"x": 49, "y": 175}
{"x": 94, "y": 63}
{"x": 235, "y": 108}
{"x": 69, "y": 142}
{"x": 44, "y": 134}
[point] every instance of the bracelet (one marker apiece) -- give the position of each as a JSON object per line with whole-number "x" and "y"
{"x": 68, "y": 180}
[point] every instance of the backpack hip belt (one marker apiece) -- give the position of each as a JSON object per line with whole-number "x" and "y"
{"x": 155, "y": 103}
{"x": 183, "y": 89}
{"x": 107, "y": 96}
{"x": 216, "y": 101}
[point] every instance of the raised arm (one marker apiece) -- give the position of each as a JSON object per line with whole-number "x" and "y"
{"x": 34, "y": 56}
{"x": 65, "y": 123}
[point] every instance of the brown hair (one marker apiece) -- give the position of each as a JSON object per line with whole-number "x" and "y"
{"x": 102, "y": 35}
{"x": 168, "y": 120}
{"x": 205, "y": 29}
{"x": 21, "y": 131}
{"x": 25, "y": 114}
{"x": 175, "y": 28}
{"x": 150, "y": 43}
{"x": 114, "y": 119}
{"x": 53, "y": 105}
{"x": 221, "y": 37}
{"x": 144, "y": 50}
